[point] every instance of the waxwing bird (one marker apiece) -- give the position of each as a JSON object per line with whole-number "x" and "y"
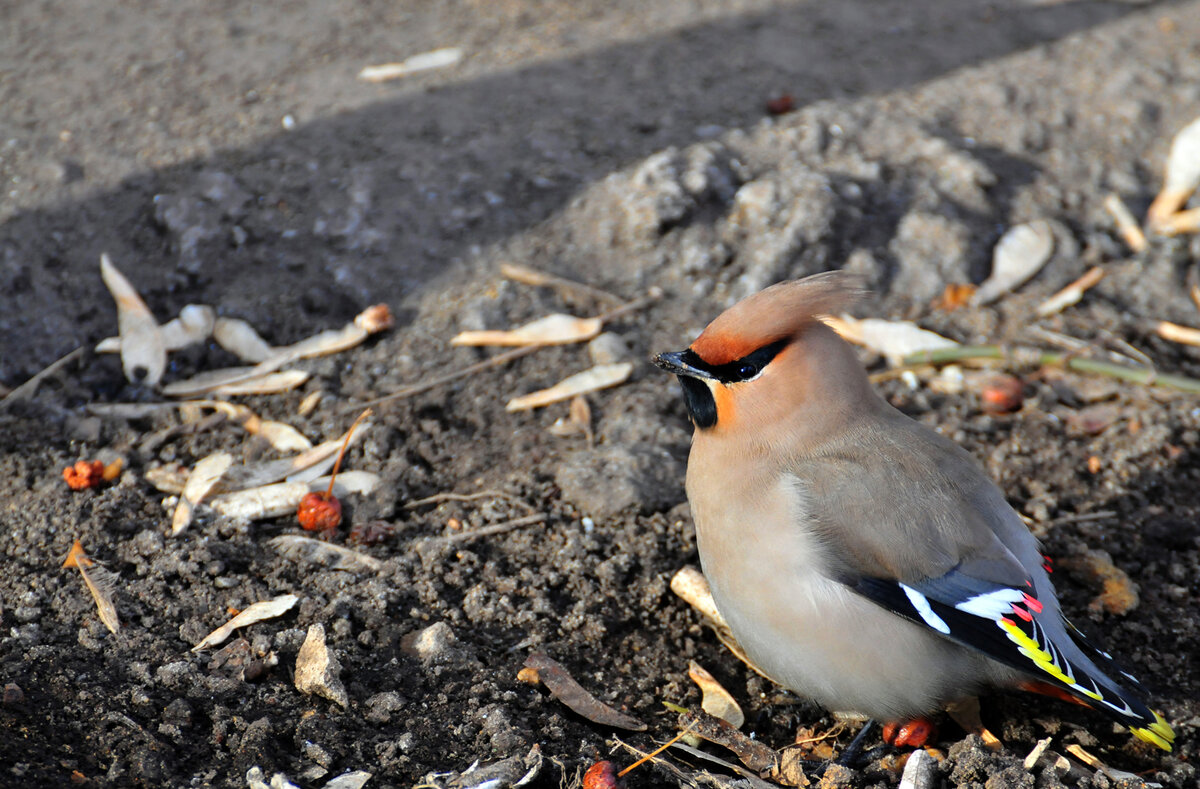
{"x": 861, "y": 559}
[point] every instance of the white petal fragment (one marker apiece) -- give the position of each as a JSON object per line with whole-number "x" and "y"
{"x": 194, "y": 324}
{"x": 1020, "y": 253}
{"x": 893, "y": 339}
{"x": 601, "y": 376}
{"x": 716, "y": 701}
{"x": 143, "y": 352}
{"x": 242, "y": 340}
{"x": 266, "y": 609}
{"x": 555, "y": 329}
{"x": 199, "y": 484}
{"x": 426, "y": 61}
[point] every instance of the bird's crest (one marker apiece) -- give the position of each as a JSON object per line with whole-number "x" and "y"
{"x": 776, "y": 313}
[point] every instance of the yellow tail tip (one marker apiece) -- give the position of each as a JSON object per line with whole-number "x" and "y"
{"x": 1158, "y": 733}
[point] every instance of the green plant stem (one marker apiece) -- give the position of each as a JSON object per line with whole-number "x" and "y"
{"x": 1140, "y": 375}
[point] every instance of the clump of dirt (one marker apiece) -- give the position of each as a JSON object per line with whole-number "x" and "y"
{"x": 910, "y": 189}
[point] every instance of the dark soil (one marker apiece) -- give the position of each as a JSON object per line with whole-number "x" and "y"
{"x": 623, "y": 146}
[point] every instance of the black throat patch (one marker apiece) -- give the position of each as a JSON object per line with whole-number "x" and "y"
{"x": 701, "y": 406}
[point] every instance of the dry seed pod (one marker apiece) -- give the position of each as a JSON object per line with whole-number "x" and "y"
{"x": 601, "y": 376}
{"x": 200, "y": 482}
{"x": 555, "y": 329}
{"x": 143, "y": 352}
{"x": 240, "y": 338}
{"x": 893, "y": 339}
{"x": 266, "y": 609}
{"x": 1182, "y": 175}
{"x": 1019, "y": 254}
{"x": 438, "y": 58}
{"x": 100, "y": 583}
{"x": 716, "y": 701}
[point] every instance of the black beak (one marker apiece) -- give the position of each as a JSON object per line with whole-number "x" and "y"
{"x": 674, "y": 362}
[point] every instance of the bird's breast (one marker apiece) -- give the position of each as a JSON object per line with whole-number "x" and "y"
{"x": 769, "y": 574}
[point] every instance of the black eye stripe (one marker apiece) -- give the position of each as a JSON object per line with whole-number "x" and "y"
{"x": 742, "y": 369}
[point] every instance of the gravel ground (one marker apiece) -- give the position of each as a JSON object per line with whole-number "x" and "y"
{"x": 225, "y": 154}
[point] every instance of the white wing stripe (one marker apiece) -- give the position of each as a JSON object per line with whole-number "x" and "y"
{"x": 922, "y": 605}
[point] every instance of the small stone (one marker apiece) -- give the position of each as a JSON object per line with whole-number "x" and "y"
{"x": 381, "y": 706}
{"x": 434, "y": 644}
{"x": 317, "y": 669}
{"x": 13, "y": 694}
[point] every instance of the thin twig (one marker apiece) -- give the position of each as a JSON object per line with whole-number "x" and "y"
{"x": 437, "y": 498}
{"x": 1082, "y": 517}
{"x": 27, "y": 389}
{"x": 532, "y": 276}
{"x": 487, "y": 531}
{"x": 1147, "y": 377}
{"x": 498, "y": 360}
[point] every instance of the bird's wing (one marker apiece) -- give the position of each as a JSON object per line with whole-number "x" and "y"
{"x": 915, "y": 526}
{"x": 1009, "y": 624}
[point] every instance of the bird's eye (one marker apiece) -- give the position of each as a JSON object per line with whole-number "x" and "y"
{"x": 747, "y": 371}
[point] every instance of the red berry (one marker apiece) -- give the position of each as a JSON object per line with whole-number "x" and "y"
{"x": 319, "y": 512}
{"x": 602, "y": 775}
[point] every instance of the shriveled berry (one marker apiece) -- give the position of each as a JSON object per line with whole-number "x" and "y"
{"x": 84, "y": 474}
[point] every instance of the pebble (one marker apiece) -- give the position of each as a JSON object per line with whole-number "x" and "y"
{"x": 317, "y": 669}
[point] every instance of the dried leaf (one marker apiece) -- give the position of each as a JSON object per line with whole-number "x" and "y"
{"x": 200, "y": 483}
{"x": 753, "y": 754}
{"x": 1020, "y": 254}
{"x": 143, "y": 352}
{"x": 716, "y": 701}
{"x": 556, "y": 329}
{"x": 100, "y": 583}
{"x": 893, "y": 339}
{"x": 334, "y": 557}
{"x": 1182, "y": 175}
{"x": 564, "y": 688}
{"x": 240, "y": 338}
{"x": 601, "y": 376}
{"x": 266, "y": 609}
{"x": 438, "y": 58}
